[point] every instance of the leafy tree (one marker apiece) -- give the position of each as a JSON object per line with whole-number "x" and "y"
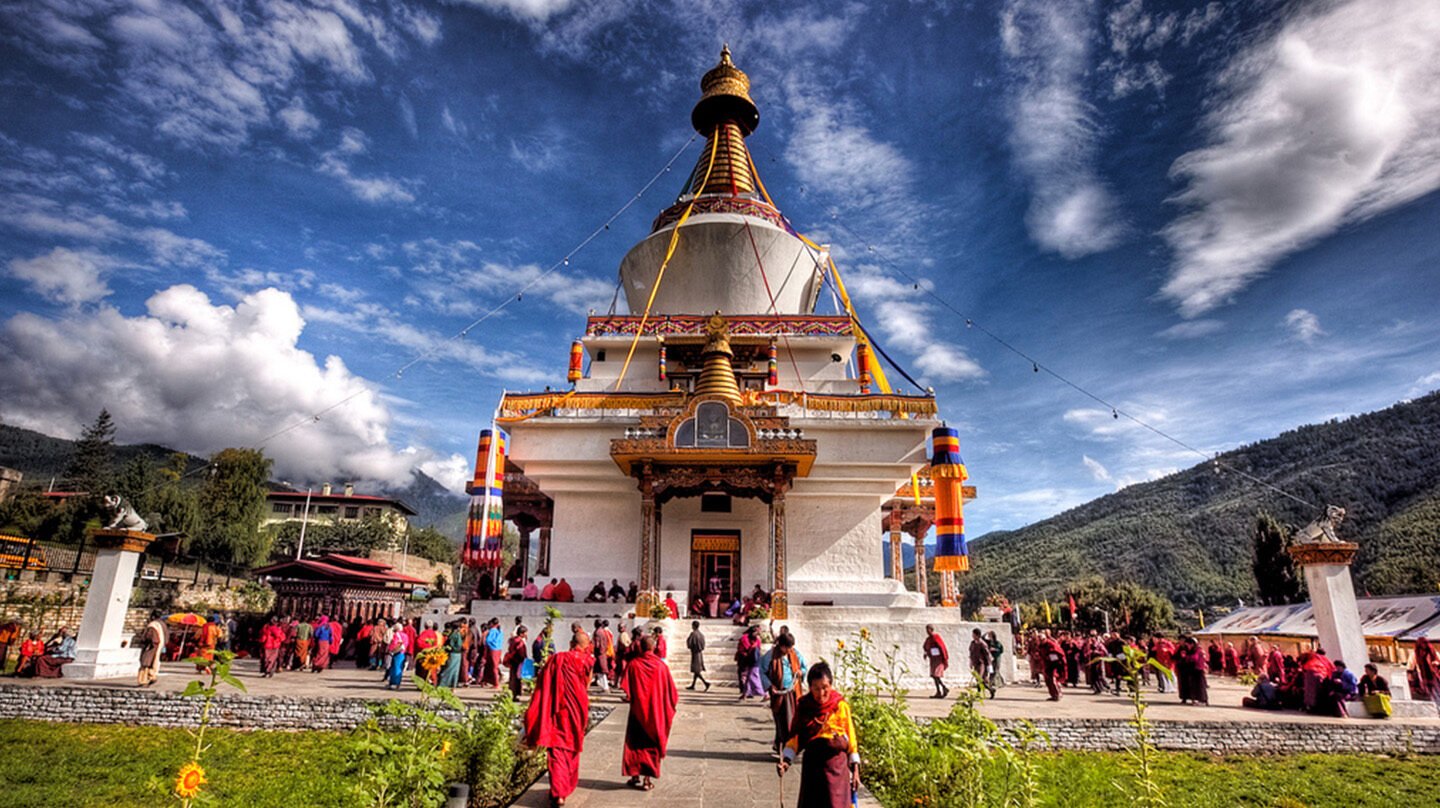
{"x": 1132, "y": 608}
{"x": 232, "y": 505}
{"x": 1275, "y": 578}
{"x": 24, "y": 512}
{"x": 351, "y": 537}
{"x": 431, "y": 544}
{"x": 91, "y": 465}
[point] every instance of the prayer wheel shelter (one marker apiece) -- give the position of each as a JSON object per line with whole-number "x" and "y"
{"x": 340, "y": 586}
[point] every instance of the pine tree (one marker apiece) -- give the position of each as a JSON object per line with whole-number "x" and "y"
{"x": 90, "y": 467}
{"x": 232, "y": 505}
{"x": 1275, "y": 577}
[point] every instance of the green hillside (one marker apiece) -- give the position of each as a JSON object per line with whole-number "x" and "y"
{"x": 1188, "y": 534}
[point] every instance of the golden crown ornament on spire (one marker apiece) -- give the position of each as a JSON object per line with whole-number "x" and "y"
{"x": 725, "y": 96}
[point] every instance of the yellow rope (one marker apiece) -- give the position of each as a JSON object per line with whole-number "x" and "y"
{"x": 669, "y": 253}
{"x": 880, "y": 378}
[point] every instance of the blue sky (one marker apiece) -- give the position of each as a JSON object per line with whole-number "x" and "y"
{"x": 218, "y": 219}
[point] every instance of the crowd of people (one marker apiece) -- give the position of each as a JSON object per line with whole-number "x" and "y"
{"x": 1308, "y": 681}
{"x": 36, "y": 657}
{"x": 810, "y": 715}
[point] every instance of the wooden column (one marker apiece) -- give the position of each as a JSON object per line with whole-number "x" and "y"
{"x": 779, "y": 597}
{"x": 922, "y": 584}
{"x": 524, "y": 553}
{"x": 648, "y": 540}
{"x": 542, "y": 554}
{"x": 897, "y": 550}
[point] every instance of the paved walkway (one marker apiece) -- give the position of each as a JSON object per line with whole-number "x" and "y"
{"x": 719, "y": 757}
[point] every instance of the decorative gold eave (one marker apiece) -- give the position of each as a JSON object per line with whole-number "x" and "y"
{"x": 532, "y": 404}
{"x": 800, "y": 454}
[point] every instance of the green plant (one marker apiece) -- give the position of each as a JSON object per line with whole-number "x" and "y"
{"x": 660, "y": 611}
{"x": 1145, "y": 789}
{"x": 256, "y": 597}
{"x": 1248, "y": 678}
{"x": 408, "y": 751}
{"x": 758, "y": 614}
{"x": 190, "y": 779}
{"x": 401, "y": 752}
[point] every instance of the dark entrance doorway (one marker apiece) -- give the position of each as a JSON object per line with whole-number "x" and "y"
{"x": 714, "y": 557}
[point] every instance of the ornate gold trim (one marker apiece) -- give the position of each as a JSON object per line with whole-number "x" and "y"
{"x": 128, "y": 540}
{"x": 1307, "y": 554}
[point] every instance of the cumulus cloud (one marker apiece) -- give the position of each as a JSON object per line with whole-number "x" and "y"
{"x": 1303, "y": 325}
{"x": 65, "y": 276}
{"x": 1054, "y": 133}
{"x": 200, "y": 376}
{"x": 1334, "y": 119}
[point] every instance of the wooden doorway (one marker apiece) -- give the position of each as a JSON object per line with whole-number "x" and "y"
{"x": 714, "y": 555}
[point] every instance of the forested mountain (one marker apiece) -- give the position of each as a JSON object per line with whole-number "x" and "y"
{"x": 42, "y": 457}
{"x": 1189, "y": 534}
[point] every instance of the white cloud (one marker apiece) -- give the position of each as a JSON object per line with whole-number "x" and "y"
{"x": 336, "y": 163}
{"x": 453, "y": 472}
{"x": 1334, "y": 119}
{"x": 209, "y": 77}
{"x": 1425, "y": 384}
{"x": 377, "y": 322}
{"x": 299, "y": 122}
{"x": 536, "y": 11}
{"x": 64, "y": 276}
{"x": 1053, "y": 128}
{"x": 199, "y": 377}
{"x": 1192, "y": 329}
{"x": 1304, "y": 325}
{"x": 442, "y": 273}
{"x": 1096, "y": 469}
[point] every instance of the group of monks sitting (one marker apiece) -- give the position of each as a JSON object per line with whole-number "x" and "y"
{"x": 36, "y": 658}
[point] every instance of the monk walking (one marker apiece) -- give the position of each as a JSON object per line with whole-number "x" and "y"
{"x": 559, "y": 713}
{"x": 824, "y": 732}
{"x": 939, "y": 657}
{"x": 650, "y": 689}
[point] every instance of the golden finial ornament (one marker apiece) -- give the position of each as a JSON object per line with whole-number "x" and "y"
{"x": 725, "y": 96}
{"x": 717, "y": 376}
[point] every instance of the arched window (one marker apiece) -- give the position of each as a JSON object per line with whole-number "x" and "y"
{"x": 712, "y": 428}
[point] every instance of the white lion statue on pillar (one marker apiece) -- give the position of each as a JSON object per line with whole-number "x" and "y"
{"x": 124, "y": 517}
{"x": 1323, "y": 530}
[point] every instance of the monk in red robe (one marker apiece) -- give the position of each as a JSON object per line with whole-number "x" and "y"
{"x": 939, "y": 657}
{"x": 825, "y": 733}
{"x": 650, "y": 688}
{"x": 559, "y": 713}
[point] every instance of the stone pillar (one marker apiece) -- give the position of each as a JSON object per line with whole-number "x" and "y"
{"x": 98, "y": 650}
{"x": 1332, "y": 596}
{"x": 949, "y": 596}
{"x": 922, "y": 583}
{"x": 779, "y": 598}
{"x": 542, "y": 556}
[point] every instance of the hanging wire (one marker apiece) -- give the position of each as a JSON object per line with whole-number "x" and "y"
{"x": 513, "y": 298}
{"x": 1037, "y": 366}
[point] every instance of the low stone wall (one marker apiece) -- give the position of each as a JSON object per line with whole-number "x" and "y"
{"x": 110, "y": 705}
{"x": 1242, "y": 737}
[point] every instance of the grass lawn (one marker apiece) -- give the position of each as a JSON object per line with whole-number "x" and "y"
{"x": 1202, "y": 781}
{"x": 130, "y": 767}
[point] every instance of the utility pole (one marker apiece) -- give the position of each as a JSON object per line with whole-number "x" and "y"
{"x": 304, "y": 520}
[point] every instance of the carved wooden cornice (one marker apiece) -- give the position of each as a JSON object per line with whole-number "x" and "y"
{"x": 1326, "y": 552}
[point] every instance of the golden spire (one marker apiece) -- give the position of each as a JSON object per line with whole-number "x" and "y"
{"x": 725, "y": 96}
{"x": 717, "y": 375}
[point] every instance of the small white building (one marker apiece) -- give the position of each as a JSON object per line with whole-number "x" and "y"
{"x": 326, "y": 506}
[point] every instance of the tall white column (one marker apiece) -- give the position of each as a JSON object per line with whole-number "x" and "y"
{"x": 99, "y": 653}
{"x": 1332, "y": 596}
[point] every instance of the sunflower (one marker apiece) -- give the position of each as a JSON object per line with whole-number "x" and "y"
{"x": 191, "y": 777}
{"x": 445, "y": 748}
